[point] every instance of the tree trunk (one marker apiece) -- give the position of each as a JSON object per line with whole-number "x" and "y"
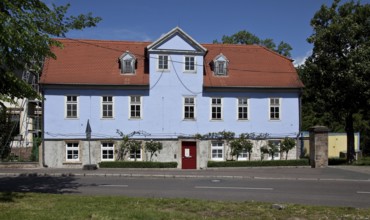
{"x": 350, "y": 138}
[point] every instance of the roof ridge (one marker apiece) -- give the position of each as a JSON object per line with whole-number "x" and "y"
{"x": 76, "y": 40}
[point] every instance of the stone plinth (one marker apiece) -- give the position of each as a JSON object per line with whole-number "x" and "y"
{"x": 319, "y": 146}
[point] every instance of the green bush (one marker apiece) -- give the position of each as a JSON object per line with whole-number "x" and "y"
{"x": 137, "y": 164}
{"x": 362, "y": 162}
{"x": 258, "y": 163}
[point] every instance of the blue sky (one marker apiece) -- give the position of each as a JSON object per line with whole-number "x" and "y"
{"x": 204, "y": 20}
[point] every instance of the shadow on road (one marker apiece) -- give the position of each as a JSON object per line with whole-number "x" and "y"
{"x": 56, "y": 185}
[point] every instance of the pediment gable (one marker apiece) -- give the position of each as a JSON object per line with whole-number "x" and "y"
{"x": 176, "y": 41}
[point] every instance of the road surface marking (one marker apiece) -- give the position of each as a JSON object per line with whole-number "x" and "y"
{"x": 109, "y": 185}
{"x": 220, "y": 187}
{"x": 362, "y": 192}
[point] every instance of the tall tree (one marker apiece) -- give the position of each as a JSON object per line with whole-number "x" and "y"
{"x": 245, "y": 37}
{"x": 27, "y": 28}
{"x": 338, "y": 71}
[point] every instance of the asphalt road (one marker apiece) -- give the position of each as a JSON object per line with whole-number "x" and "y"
{"x": 338, "y": 192}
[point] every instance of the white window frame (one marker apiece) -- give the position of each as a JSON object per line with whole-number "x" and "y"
{"x": 109, "y": 147}
{"x": 130, "y": 58}
{"x": 244, "y": 155}
{"x": 220, "y": 71}
{"x": 274, "y": 105}
{"x": 138, "y": 158}
{"x": 216, "y": 106}
{"x": 168, "y": 62}
{"x": 277, "y": 155}
{"x": 189, "y": 105}
{"x": 76, "y": 103}
{"x": 71, "y": 147}
{"x": 217, "y": 146}
{"x": 140, "y": 104}
{"x": 103, "y": 103}
{"x": 243, "y": 105}
{"x": 189, "y": 64}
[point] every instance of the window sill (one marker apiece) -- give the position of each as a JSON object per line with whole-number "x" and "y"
{"x": 242, "y": 120}
{"x": 216, "y": 120}
{"x": 275, "y": 120}
{"x": 189, "y": 119}
{"x": 72, "y": 163}
{"x": 107, "y": 118}
{"x": 128, "y": 74}
{"x": 135, "y": 119}
{"x": 163, "y": 70}
{"x": 190, "y": 71}
{"x": 71, "y": 118}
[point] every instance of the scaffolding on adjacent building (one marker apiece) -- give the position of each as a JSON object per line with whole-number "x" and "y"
{"x": 26, "y": 115}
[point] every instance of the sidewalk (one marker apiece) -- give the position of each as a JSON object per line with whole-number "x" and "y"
{"x": 333, "y": 173}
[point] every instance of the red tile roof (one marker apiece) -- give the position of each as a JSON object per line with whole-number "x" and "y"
{"x": 95, "y": 62}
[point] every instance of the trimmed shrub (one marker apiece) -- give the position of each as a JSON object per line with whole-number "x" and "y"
{"x": 137, "y": 164}
{"x": 258, "y": 163}
{"x": 362, "y": 162}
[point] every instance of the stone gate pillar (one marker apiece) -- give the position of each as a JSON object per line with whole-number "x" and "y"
{"x": 319, "y": 146}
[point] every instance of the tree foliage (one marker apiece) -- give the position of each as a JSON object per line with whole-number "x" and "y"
{"x": 127, "y": 145}
{"x": 271, "y": 149}
{"x": 241, "y": 144}
{"x": 152, "y": 147}
{"x": 27, "y": 28}
{"x": 7, "y": 132}
{"x": 245, "y": 37}
{"x": 337, "y": 74}
{"x": 286, "y": 145}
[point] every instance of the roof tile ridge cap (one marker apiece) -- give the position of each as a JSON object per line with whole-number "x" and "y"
{"x": 276, "y": 53}
{"x": 232, "y": 45}
{"x": 77, "y": 40}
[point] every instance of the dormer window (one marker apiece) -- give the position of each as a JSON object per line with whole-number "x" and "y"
{"x": 127, "y": 61}
{"x": 220, "y": 65}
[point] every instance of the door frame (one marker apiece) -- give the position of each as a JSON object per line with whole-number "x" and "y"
{"x": 195, "y": 150}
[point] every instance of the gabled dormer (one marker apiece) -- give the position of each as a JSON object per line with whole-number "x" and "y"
{"x": 176, "y": 41}
{"x": 127, "y": 63}
{"x": 220, "y": 65}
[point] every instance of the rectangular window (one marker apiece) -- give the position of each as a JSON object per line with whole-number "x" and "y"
{"x": 189, "y": 63}
{"x": 243, "y": 108}
{"x": 216, "y": 109}
{"x": 107, "y": 107}
{"x": 107, "y": 152}
{"x": 243, "y": 155}
{"x": 220, "y": 68}
{"x": 72, "y": 152}
{"x": 135, "y": 155}
{"x": 71, "y": 106}
{"x": 217, "y": 149}
{"x": 135, "y": 106}
{"x": 274, "y": 108}
{"x": 128, "y": 66}
{"x": 189, "y": 108}
{"x": 162, "y": 62}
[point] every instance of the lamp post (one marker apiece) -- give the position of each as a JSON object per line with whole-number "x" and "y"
{"x": 88, "y": 137}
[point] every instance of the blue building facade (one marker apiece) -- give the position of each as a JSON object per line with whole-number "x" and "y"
{"x": 184, "y": 91}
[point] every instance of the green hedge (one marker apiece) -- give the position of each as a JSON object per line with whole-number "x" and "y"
{"x": 258, "y": 163}
{"x": 362, "y": 162}
{"x": 137, "y": 164}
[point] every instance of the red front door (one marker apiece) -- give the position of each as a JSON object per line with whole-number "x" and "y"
{"x": 189, "y": 155}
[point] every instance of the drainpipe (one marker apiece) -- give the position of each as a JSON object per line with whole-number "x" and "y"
{"x": 300, "y": 134}
{"x": 43, "y": 130}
